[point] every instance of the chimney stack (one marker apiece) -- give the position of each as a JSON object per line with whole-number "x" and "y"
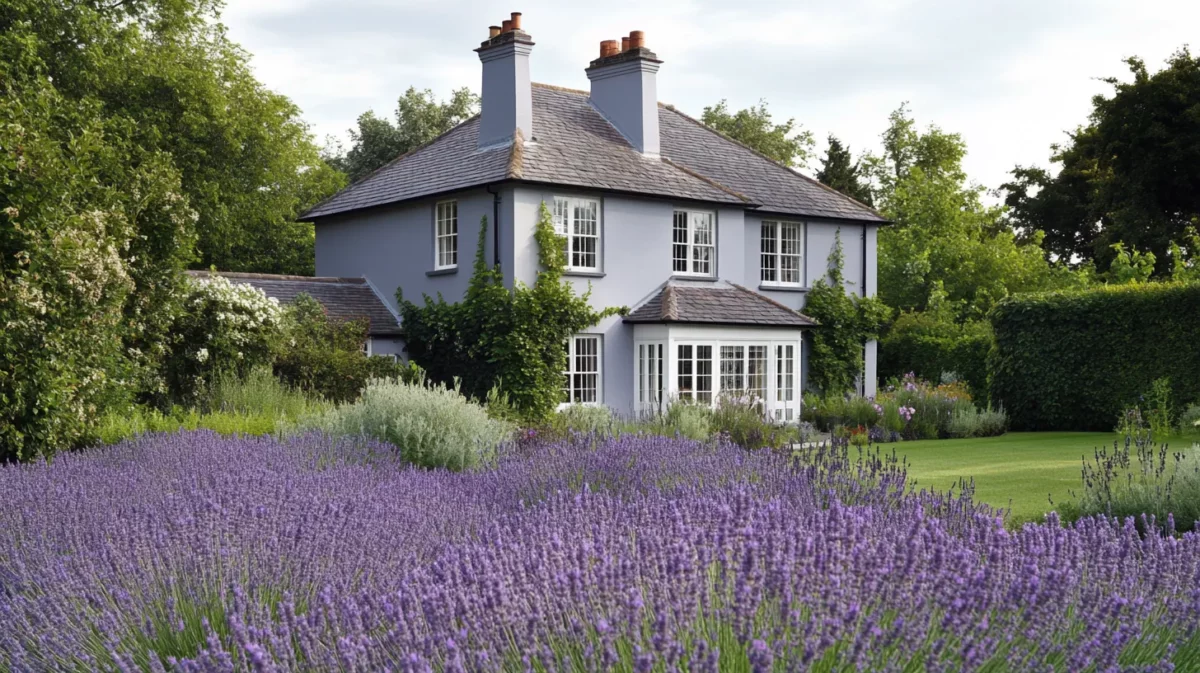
{"x": 507, "y": 98}
{"x": 625, "y": 90}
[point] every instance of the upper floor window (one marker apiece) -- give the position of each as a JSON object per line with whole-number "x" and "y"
{"x": 693, "y": 250}
{"x": 445, "y": 229}
{"x": 582, "y": 378}
{"x": 579, "y": 221}
{"x": 782, "y": 253}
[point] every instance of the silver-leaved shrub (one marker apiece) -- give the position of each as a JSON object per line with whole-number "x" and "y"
{"x": 430, "y": 425}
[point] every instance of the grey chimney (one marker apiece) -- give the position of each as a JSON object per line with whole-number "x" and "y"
{"x": 624, "y": 89}
{"x": 507, "y": 98}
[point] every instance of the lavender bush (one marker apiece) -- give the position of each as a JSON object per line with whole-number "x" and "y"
{"x": 194, "y": 552}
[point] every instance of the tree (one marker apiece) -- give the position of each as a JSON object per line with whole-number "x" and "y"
{"x": 165, "y": 75}
{"x": 944, "y": 237}
{"x": 840, "y": 172}
{"x": 420, "y": 117}
{"x": 786, "y": 143}
{"x": 1129, "y": 176}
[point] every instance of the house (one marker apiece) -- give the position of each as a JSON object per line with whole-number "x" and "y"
{"x": 342, "y": 299}
{"x": 711, "y": 245}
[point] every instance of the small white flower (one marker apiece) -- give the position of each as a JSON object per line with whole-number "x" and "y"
{"x": 202, "y": 355}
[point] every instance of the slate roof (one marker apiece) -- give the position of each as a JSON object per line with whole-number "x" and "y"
{"x": 722, "y": 304}
{"x": 574, "y": 145}
{"x": 343, "y": 298}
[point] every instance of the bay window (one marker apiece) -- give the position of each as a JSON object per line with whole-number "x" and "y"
{"x": 693, "y": 366}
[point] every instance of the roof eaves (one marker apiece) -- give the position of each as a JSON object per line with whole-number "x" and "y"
{"x": 765, "y": 298}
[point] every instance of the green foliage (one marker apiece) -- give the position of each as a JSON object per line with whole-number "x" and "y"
{"x": 420, "y": 117}
{"x": 742, "y": 419}
{"x": 325, "y": 357}
{"x": 515, "y": 339}
{"x": 846, "y": 323}
{"x": 261, "y": 393}
{"x": 786, "y": 143}
{"x": 1074, "y": 360}
{"x": 117, "y": 425}
{"x": 1129, "y": 266}
{"x": 79, "y": 308}
{"x": 970, "y": 422}
{"x": 224, "y": 326}
{"x": 1144, "y": 481}
{"x": 841, "y": 172}
{"x": 430, "y": 425}
{"x": 1189, "y": 420}
{"x": 910, "y": 409}
{"x": 1129, "y": 175}
{"x": 944, "y": 238}
{"x": 935, "y": 347}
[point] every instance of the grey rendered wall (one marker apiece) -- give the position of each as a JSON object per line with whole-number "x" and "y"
{"x": 389, "y": 346}
{"x": 819, "y": 240}
{"x": 393, "y": 247}
{"x": 635, "y": 260}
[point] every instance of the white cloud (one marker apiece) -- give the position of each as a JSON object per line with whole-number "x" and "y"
{"x": 1011, "y": 77}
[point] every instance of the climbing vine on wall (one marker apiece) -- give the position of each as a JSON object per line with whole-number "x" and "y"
{"x": 847, "y": 322}
{"x": 514, "y": 339}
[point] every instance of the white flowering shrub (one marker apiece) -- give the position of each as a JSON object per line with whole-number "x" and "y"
{"x": 223, "y": 327}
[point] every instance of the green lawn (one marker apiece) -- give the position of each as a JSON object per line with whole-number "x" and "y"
{"x": 1019, "y": 470}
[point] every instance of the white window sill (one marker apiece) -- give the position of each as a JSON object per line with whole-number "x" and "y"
{"x": 585, "y": 273}
{"x": 783, "y": 287}
{"x": 443, "y": 272}
{"x": 693, "y": 276}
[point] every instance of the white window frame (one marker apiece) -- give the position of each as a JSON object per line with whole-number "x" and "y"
{"x": 692, "y": 246}
{"x": 651, "y": 370}
{"x": 567, "y": 225}
{"x": 775, "y": 255}
{"x": 439, "y": 218}
{"x": 569, "y": 389}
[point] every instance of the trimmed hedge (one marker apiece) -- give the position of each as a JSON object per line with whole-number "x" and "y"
{"x": 1074, "y": 360}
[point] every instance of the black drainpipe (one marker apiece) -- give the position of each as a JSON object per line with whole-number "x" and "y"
{"x": 496, "y": 226}
{"x": 864, "y": 261}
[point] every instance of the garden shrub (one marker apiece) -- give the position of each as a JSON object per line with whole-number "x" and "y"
{"x": 1074, "y": 360}
{"x": 742, "y": 420}
{"x": 325, "y": 356}
{"x": 931, "y": 346}
{"x": 516, "y": 339}
{"x": 586, "y": 419}
{"x": 431, "y": 425}
{"x": 847, "y": 322}
{"x": 260, "y": 392}
{"x": 223, "y": 326}
{"x": 1189, "y": 420}
{"x": 1146, "y": 481}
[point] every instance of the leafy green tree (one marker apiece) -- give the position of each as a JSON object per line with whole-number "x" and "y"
{"x": 1129, "y": 265}
{"x": 420, "y": 117}
{"x": 165, "y": 75}
{"x": 1128, "y": 176}
{"x": 847, "y": 322}
{"x": 841, "y": 172}
{"x": 787, "y": 143}
{"x": 944, "y": 237}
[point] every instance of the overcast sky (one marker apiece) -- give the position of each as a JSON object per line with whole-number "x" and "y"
{"x": 1010, "y": 76}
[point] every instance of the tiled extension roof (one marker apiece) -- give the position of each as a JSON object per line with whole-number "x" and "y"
{"x": 343, "y": 298}
{"x": 723, "y": 304}
{"x": 574, "y": 145}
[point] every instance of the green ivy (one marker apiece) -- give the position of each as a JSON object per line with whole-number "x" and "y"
{"x": 496, "y": 337}
{"x": 847, "y": 322}
{"x": 1074, "y": 360}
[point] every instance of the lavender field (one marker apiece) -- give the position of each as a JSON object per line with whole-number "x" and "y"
{"x": 194, "y": 552}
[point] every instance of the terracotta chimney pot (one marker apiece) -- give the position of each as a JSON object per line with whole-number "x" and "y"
{"x": 506, "y": 26}
{"x": 493, "y": 31}
{"x": 637, "y": 39}
{"x": 515, "y": 21}
{"x": 625, "y": 44}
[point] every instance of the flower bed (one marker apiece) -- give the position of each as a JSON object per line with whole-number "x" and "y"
{"x": 197, "y": 552}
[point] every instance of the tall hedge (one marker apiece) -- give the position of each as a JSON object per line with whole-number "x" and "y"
{"x": 1073, "y": 360}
